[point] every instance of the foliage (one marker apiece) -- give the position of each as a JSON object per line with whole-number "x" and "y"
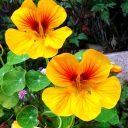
{"x": 124, "y": 7}
{"x": 93, "y": 21}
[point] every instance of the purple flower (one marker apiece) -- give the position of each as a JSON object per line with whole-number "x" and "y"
{"x": 22, "y": 94}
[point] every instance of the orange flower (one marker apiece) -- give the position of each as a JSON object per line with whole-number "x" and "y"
{"x": 82, "y": 88}
{"x": 38, "y": 34}
{"x": 116, "y": 68}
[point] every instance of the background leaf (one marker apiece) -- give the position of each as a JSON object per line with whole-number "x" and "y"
{"x": 8, "y": 101}
{"x": 13, "y": 81}
{"x": 36, "y": 80}
{"x": 3, "y": 70}
{"x": 27, "y": 117}
{"x": 108, "y": 115}
{"x": 15, "y": 59}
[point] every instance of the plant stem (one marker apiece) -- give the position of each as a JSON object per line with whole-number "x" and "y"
{"x": 74, "y": 8}
{"x": 2, "y": 62}
{"x": 47, "y": 60}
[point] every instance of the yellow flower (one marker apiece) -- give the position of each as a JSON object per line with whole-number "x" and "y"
{"x": 16, "y": 125}
{"x": 82, "y": 88}
{"x": 38, "y": 34}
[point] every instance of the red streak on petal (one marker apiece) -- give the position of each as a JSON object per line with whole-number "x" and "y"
{"x": 45, "y": 24}
{"x": 73, "y": 77}
{"x": 84, "y": 76}
{"x": 35, "y": 26}
{"x": 31, "y": 22}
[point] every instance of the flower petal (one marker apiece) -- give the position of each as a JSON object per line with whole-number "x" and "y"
{"x": 62, "y": 69}
{"x": 18, "y": 42}
{"x": 58, "y": 100}
{"x": 28, "y": 4}
{"x": 25, "y": 18}
{"x": 40, "y": 50}
{"x": 27, "y": 43}
{"x": 15, "y": 125}
{"x": 51, "y": 14}
{"x": 109, "y": 91}
{"x": 95, "y": 66}
{"x": 87, "y": 105}
{"x": 56, "y": 38}
{"x": 116, "y": 68}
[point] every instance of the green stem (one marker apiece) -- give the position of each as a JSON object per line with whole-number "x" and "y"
{"x": 2, "y": 62}
{"x": 72, "y": 122}
{"x": 47, "y": 60}
{"x": 60, "y": 120}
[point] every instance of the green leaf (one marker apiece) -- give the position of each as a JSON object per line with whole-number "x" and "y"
{"x": 4, "y": 70}
{"x": 1, "y": 111}
{"x": 104, "y": 125}
{"x": 36, "y": 80}
{"x": 8, "y": 101}
{"x": 105, "y": 16}
{"x": 27, "y": 117}
{"x": 124, "y": 94}
{"x": 75, "y": 41}
{"x": 79, "y": 55}
{"x": 98, "y": 7}
{"x": 114, "y": 120}
{"x": 111, "y": 5}
{"x": 15, "y": 59}
{"x": 67, "y": 122}
{"x": 82, "y": 36}
{"x": 13, "y": 81}
{"x": 52, "y": 120}
{"x": 108, "y": 115}
{"x": 124, "y": 7}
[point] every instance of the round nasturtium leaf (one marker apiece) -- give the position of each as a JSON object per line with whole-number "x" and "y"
{"x": 15, "y": 59}
{"x": 13, "y": 81}
{"x": 8, "y": 101}
{"x": 108, "y": 115}
{"x": 3, "y": 70}
{"x": 27, "y": 117}
{"x": 36, "y": 81}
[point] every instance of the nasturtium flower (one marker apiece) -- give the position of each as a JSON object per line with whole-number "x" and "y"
{"x": 116, "y": 68}
{"x": 38, "y": 34}
{"x": 81, "y": 88}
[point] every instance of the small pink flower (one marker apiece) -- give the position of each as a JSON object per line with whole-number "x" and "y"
{"x": 22, "y": 94}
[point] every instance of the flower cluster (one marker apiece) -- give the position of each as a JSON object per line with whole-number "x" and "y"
{"x": 80, "y": 88}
